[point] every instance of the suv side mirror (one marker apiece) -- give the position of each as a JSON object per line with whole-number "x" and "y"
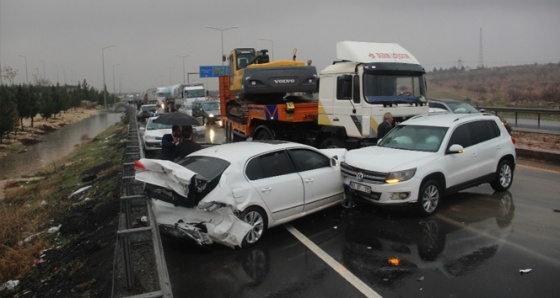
{"x": 455, "y": 149}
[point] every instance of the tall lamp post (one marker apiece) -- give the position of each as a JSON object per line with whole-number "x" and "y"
{"x": 222, "y": 35}
{"x": 184, "y": 56}
{"x": 271, "y": 47}
{"x": 103, "y": 62}
{"x": 26, "y": 77}
{"x": 188, "y": 76}
{"x": 114, "y": 92}
{"x": 44, "y": 75}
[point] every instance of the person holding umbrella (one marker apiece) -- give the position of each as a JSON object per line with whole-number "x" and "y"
{"x": 186, "y": 146}
{"x": 169, "y": 143}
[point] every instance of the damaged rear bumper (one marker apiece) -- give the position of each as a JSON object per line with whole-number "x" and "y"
{"x": 217, "y": 224}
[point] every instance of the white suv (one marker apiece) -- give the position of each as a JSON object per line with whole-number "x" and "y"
{"x": 429, "y": 156}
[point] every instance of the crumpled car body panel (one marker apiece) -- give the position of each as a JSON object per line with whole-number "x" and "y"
{"x": 211, "y": 221}
{"x": 203, "y": 226}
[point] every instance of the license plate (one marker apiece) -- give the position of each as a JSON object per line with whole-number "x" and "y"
{"x": 360, "y": 187}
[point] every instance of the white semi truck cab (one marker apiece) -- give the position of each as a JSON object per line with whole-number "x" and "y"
{"x": 369, "y": 80}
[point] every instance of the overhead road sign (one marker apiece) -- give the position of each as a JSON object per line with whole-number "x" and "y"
{"x": 213, "y": 71}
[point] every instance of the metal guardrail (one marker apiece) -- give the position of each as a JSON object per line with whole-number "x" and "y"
{"x": 517, "y": 111}
{"x": 129, "y": 236}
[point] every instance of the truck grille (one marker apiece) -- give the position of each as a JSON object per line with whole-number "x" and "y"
{"x": 368, "y": 176}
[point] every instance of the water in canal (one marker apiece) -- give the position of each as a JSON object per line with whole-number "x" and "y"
{"x": 55, "y": 145}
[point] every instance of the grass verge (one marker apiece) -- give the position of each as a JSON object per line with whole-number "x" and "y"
{"x": 33, "y": 210}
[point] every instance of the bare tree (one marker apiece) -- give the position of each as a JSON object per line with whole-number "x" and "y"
{"x": 8, "y": 73}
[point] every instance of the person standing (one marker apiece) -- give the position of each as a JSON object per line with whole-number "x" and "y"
{"x": 187, "y": 145}
{"x": 385, "y": 126}
{"x": 169, "y": 142}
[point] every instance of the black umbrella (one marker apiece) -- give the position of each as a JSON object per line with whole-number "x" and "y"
{"x": 177, "y": 118}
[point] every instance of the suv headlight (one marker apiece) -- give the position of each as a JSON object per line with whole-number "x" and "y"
{"x": 400, "y": 176}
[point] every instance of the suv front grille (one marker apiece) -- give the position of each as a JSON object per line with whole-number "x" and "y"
{"x": 369, "y": 176}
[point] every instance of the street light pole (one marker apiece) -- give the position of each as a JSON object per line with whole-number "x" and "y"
{"x": 114, "y": 92}
{"x": 26, "y": 77}
{"x": 103, "y": 62}
{"x": 271, "y": 47}
{"x": 185, "y": 56}
{"x": 222, "y": 36}
{"x": 188, "y": 76}
{"x": 44, "y": 75}
{"x": 170, "y": 80}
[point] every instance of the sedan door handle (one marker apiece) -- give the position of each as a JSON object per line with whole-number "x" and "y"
{"x": 309, "y": 180}
{"x": 266, "y": 189}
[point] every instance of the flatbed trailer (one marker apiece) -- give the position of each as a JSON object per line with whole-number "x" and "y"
{"x": 267, "y": 121}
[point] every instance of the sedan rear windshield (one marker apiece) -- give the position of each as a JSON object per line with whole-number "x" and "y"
{"x": 208, "y": 167}
{"x": 414, "y": 137}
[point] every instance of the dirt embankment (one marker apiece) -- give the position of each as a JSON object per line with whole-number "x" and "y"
{"x": 537, "y": 141}
{"x": 54, "y": 244}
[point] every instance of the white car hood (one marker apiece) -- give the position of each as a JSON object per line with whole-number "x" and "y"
{"x": 382, "y": 159}
{"x": 157, "y": 132}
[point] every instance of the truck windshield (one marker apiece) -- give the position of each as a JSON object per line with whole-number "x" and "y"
{"x": 194, "y": 93}
{"x": 393, "y": 88}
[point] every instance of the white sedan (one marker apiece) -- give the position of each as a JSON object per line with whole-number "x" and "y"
{"x": 232, "y": 193}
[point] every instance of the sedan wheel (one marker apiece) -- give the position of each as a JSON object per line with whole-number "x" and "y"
{"x": 257, "y": 219}
{"x": 429, "y": 197}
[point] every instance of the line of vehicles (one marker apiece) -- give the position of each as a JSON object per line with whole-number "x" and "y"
{"x": 312, "y": 137}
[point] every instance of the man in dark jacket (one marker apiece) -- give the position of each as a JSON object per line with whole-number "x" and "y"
{"x": 169, "y": 142}
{"x": 187, "y": 145}
{"x": 385, "y": 126}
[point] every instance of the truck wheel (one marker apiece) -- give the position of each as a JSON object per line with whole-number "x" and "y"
{"x": 332, "y": 142}
{"x": 263, "y": 134}
{"x": 228, "y": 133}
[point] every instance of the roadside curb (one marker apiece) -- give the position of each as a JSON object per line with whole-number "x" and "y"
{"x": 538, "y": 155}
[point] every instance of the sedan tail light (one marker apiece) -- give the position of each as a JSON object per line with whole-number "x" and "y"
{"x": 513, "y": 140}
{"x": 138, "y": 166}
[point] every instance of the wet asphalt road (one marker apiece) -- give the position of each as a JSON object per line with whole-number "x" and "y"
{"x": 475, "y": 245}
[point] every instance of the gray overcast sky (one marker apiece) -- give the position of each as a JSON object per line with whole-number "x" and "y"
{"x": 150, "y": 35}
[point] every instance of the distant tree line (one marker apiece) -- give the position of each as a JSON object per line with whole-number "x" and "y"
{"x": 18, "y": 102}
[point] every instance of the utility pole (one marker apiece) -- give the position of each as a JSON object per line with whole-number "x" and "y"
{"x": 480, "y": 58}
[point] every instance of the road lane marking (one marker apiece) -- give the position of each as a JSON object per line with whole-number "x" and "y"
{"x": 336, "y": 266}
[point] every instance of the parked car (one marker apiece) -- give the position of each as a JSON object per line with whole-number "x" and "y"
{"x": 199, "y": 131}
{"x": 429, "y": 156}
{"x": 146, "y": 111}
{"x": 232, "y": 193}
{"x": 209, "y": 110}
{"x": 458, "y": 107}
{"x": 153, "y": 133}
{"x": 451, "y": 105}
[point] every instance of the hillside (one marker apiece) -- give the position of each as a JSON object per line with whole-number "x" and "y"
{"x": 536, "y": 85}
